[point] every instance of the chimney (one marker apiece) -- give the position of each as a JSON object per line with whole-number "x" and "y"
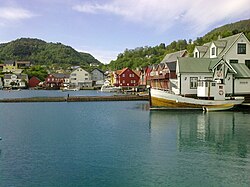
{"x": 219, "y": 37}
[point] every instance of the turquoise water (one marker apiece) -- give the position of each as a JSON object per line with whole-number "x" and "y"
{"x": 121, "y": 144}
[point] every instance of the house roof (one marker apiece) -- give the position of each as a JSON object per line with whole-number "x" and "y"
{"x": 35, "y": 78}
{"x": 97, "y": 70}
{"x": 196, "y": 65}
{"x": 19, "y": 76}
{"x": 220, "y": 44}
{"x": 10, "y": 62}
{"x": 119, "y": 72}
{"x": 202, "y": 48}
{"x": 61, "y": 75}
{"x": 172, "y": 57}
{"x": 172, "y": 66}
{"x": 241, "y": 69}
{"x": 224, "y": 43}
{"x": 23, "y": 62}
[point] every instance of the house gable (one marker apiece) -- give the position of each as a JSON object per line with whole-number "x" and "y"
{"x": 233, "y": 55}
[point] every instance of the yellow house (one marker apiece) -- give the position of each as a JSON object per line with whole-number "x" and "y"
{"x": 9, "y": 66}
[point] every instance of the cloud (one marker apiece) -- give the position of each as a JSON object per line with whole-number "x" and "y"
{"x": 13, "y": 14}
{"x": 163, "y": 14}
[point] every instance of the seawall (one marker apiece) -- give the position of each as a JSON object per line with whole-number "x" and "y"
{"x": 77, "y": 99}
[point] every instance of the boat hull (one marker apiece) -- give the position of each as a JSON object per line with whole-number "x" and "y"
{"x": 110, "y": 89}
{"x": 164, "y": 100}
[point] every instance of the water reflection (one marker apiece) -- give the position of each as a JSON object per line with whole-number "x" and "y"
{"x": 218, "y": 132}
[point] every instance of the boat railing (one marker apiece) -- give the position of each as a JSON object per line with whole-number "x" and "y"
{"x": 164, "y": 89}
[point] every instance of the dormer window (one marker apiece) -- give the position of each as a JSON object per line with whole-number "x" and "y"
{"x": 241, "y": 48}
{"x": 213, "y": 51}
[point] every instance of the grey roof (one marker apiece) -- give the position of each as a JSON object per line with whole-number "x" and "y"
{"x": 241, "y": 69}
{"x": 61, "y": 75}
{"x": 161, "y": 65}
{"x": 10, "y": 62}
{"x": 220, "y": 44}
{"x": 23, "y": 62}
{"x": 172, "y": 57}
{"x": 98, "y": 70}
{"x": 202, "y": 48}
{"x": 201, "y": 65}
{"x": 19, "y": 76}
{"x": 196, "y": 65}
{"x": 172, "y": 66}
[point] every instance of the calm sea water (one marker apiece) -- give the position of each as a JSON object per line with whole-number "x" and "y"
{"x": 49, "y": 93}
{"x": 121, "y": 144}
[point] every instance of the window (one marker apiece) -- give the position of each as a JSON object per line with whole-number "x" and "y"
{"x": 123, "y": 75}
{"x": 193, "y": 82}
{"x": 123, "y": 81}
{"x": 213, "y": 84}
{"x": 241, "y": 48}
{"x": 247, "y": 62}
{"x": 213, "y": 51}
{"x": 86, "y": 78}
{"x": 86, "y": 74}
{"x": 233, "y": 61}
{"x": 132, "y": 81}
{"x": 196, "y": 55}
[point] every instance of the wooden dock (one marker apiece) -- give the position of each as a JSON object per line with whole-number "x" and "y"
{"x": 77, "y": 99}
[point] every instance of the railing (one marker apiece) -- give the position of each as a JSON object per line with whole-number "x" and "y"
{"x": 164, "y": 89}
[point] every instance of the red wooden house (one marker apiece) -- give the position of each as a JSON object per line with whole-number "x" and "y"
{"x": 33, "y": 82}
{"x": 128, "y": 78}
{"x": 55, "y": 81}
{"x": 145, "y": 76}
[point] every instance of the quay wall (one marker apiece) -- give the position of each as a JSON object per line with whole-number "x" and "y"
{"x": 77, "y": 99}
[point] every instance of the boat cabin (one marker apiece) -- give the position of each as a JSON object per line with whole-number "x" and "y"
{"x": 210, "y": 89}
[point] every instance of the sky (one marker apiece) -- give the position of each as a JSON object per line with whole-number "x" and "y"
{"x": 105, "y": 28}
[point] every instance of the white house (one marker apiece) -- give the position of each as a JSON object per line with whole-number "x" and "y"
{"x": 80, "y": 78}
{"x": 190, "y": 70}
{"x": 233, "y": 49}
{"x": 97, "y": 77}
{"x": 15, "y": 81}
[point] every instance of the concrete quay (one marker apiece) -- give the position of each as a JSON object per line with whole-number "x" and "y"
{"x": 77, "y": 99}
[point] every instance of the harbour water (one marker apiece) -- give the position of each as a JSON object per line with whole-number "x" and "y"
{"x": 121, "y": 144}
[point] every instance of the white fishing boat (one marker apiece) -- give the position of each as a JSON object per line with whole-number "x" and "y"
{"x": 210, "y": 97}
{"x": 108, "y": 88}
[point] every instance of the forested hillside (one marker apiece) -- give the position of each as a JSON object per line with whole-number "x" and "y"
{"x": 41, "y": 52}
{"x": 143, "y": 56}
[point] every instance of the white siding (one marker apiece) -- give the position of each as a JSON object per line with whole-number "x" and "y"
{"x": 229, "y": 84}
{"x": 232, "y": 53}
{"x": 80, "y": 77}
{"x": 185, "y": 82}
{"x": 210, "y": 51}
{"x": 97, "y": 75}
{"x": 242, "y": 86}
{"x": 196, "y": 52}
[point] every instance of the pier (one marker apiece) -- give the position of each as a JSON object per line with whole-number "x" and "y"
{"x": 77, "y": 99}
